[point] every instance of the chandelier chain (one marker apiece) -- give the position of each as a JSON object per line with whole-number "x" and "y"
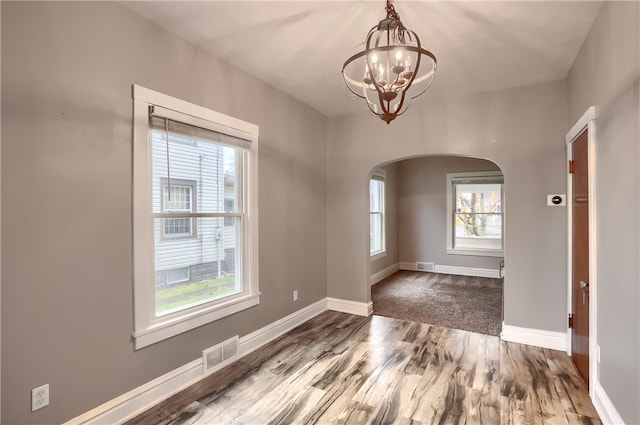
{"x": 391, "y": 11}
{"x": 398, "y": 28}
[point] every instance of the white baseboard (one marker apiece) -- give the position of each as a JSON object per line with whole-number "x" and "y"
{"x": 461, "y": 271}
{"x": 605, "y": 408}
{"x": 136, "y": 401}
{"x": 377, "y": 277}
{"x": 467, "y": 271}
{"x": 536, "y": 337}
{"x": 351, "y": 307}
{"x": 262, "y": 336}
{"x": 407, "y": 266}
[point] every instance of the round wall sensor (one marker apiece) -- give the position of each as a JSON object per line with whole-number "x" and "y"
{"x": 556, "y": 200}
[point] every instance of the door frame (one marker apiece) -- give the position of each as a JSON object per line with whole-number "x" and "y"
{"x": 586, "y": 122}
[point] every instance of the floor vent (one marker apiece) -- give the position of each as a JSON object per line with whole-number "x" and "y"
{"x": 425, "y": 267}
{"x": 218, "y": 356}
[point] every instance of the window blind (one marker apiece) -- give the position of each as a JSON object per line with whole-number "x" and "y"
{"x": 478, "y": 180}
{"x": 195, "y": 128}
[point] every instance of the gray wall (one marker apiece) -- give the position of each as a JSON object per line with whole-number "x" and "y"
{"x": 391, "y": 220}
{"x": 67, "y": 303}
{"x": 0, "y": 232}
{"x": 422, "y": 210}
{"x": 521, "y": 129}
{"x": 67, "y": 308}
{"x": 606, "y": 74}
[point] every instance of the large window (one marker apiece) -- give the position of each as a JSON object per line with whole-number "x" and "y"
{"x": 475, "y": 213}
{"x": 195, "y": 234}
{"x": 376, "y": 214}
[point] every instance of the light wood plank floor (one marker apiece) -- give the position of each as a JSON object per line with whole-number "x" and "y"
{"x": 343, "y": 369}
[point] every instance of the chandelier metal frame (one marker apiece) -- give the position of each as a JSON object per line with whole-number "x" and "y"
{"x": 390, "y": 48}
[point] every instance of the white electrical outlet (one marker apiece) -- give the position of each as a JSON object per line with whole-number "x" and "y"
{"x": 295, "y": 295}
{"x": 39, "y": 397}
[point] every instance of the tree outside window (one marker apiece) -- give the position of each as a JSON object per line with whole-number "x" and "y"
{"x": 478, "y": 211}
{"x": 476, "y": 219}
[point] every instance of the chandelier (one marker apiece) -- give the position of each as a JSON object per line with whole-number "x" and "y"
{"x": 392, "y": 69}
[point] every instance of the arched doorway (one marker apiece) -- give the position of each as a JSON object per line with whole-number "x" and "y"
{"x": 437, "y": 241}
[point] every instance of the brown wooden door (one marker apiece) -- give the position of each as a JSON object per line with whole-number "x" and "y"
{"x": 580, "y": 249}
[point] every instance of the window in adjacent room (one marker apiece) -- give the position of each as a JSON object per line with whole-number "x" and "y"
{"x": 475, "y": 213}
{"x": 195, "y": 230}
{"x": 376, "y": 214}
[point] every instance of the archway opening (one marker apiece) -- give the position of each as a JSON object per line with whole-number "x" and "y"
{"x": 436, "y": 252}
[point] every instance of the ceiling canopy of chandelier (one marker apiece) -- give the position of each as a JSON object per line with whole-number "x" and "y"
{"x": 392, "y": 69}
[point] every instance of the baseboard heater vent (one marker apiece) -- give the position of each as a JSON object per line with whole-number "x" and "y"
{"x": 218, "y": 356}
{"x": 425, "y": 267}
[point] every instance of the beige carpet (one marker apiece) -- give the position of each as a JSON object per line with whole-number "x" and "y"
{"x": 457, "y": 302}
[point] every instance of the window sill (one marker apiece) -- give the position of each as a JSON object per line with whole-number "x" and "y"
{"x": 163, "y": 330}
{"x": 477, "y": 252}
{"x": 378, "y": 255}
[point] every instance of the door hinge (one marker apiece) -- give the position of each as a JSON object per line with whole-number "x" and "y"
{"x": 570, "y": 321}
{"x": 572, "y": 166}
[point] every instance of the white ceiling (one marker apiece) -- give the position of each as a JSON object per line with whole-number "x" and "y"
{"x": 300, "y": 46}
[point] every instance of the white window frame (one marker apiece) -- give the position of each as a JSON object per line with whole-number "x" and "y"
{"x": 148, "y": 327}
{"x": 382, "y": 176}
{"x": 451, "y": 202}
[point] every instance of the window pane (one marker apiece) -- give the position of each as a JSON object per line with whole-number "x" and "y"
{"x": 229, "y": 206}
{"x": 478, "y": 225}
{"x": 478, "y": 198}
{"x": 376, "y": 206}
{"x": 178, "y": 198}
{"x": 478, "y": 231}
{"x": 230, "y": 161}
{"x": 193, "y": 271}
{"x": 178, "y": 275}
{"x": 178, "y": 226}
{"x": 210, "y": 166}
{"x": 376, "y": 188}
{"x": 375, "y": 222}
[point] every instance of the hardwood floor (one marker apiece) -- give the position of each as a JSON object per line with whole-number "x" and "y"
{"x": 343, "y": 369}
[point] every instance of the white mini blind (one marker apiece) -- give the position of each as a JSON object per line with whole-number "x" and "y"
{"x": 196, "y": 128}
{"x": 478, "y": 180}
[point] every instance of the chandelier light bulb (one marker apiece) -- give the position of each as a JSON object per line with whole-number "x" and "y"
{"x": 398, "y": 68}
{"x": 381, "y": 81}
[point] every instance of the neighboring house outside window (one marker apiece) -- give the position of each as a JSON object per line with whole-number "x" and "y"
{"x": 475, "y": 213}
{"x": 376, "y": 214}
{"x": 180, "y": 198}
{"x": 228, "y": 207}
{"x": 179, "y": 275}
{"x": 195, "y": 234}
